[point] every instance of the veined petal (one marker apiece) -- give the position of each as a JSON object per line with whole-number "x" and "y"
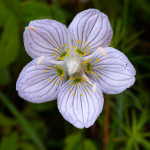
{"x": 39, "y": 82}
{"x": 90, "y": 29}
{"x": 113, "y": 72}
{"x": 46, "y": 37}
{"x": 78, "y": 104}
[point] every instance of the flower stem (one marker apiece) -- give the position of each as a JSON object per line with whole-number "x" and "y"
{"x": 23, "y": 122}
{"x": 106, "y": 122}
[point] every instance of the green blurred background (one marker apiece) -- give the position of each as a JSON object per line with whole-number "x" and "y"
{"x": 124, "y": 123}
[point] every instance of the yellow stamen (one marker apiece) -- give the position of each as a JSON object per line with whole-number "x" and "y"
{"x": 69, "y": 90}
{"x": 89, "y": 59}
{"x": 85, "y": 42}
{"x": 84, "y": 54}
{"x": 67, "y": 54}
{"x": 73, "y": 46}
{"x": 56, "y": 47}
{"x": 96, "y": 77}
{"x": 85, "y": 79}
{"x": 49, "y": 68}
{"x": 70, "y": 83}
{"x": 86, "y": 90}
{"x": 45, "y": 71}
{"x": 53, "y": 51}
{"x": 47, "y": 79}
{"x": 73, "y": 94}
{"x": 85, "y": 62}
{"x": 100, "y": 75}
{"x": 97, "y": 59}
{"x": 61, "y": 45}
{"x": 81, "y": 95}
{"x": 53, "y": 81}
{"x": 88, "y": 84}
{"x": 101, "y": 67}
{"x": 57, "y": 58}
{"x": 54, "y": 66}
{"x": 65, "y": 44}
{"x": 57, "y": 83}
{"x": 60, "y": 79}
{"x": 53, "y": 54}
{"x": 32, "y": 29}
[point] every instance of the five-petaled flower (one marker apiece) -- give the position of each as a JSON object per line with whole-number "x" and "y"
{"x": 79, "y": 54}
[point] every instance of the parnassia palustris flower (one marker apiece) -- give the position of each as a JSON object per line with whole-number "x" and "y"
{"x": 74, "y": 66}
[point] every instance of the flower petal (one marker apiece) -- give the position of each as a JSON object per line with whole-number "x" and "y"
{"x": 39, "y": 82}
{"x": 113, "y": 73}
{"x": 78, "y": 104}
{"x": 91, "y": 29}
{"x": 46, "y": 37}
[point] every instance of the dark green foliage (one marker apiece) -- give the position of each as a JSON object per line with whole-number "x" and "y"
{"x": 124, "y": 123}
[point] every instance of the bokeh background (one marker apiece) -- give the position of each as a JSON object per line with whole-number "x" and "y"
{"x": 124, "y": 123}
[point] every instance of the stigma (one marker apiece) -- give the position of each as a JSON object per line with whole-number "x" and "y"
{"x": 74, "y": 65}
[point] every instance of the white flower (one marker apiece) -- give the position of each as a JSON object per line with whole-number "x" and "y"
{"x": 82, "y": 53}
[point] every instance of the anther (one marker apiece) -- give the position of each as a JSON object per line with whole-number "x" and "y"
{"x": 101, "y": 50}
{"x": 40, "y": 59}
{"x": 32, "y": 28}
{"x": 94, "y": 88}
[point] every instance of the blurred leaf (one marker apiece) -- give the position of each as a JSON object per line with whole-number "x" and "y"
{"x": 9, "y": 42}
{"x": 4, "y": 13}
{"x": 134, "y": 133}
{"x": 118, "y": 33}
{"x": 25, "y": 125}
{"x": 9, "y": 142}
{"x": 13, "y": 6}
{"x": 135, "y": 99}
{"x": 77, "y": 142}
{"x": 89, "y": 145}
{"x": 8, "y": 8}
{"x": 6, "y": 121}
{"x": 4, "y": 76}
{"x": 44, "y": 107}
{"x": 58, "y": 14}
{"x": 26, "y": 146}
{"x": 34, "y": 10}
{"x": 74, "y": 142}
{"x": 143, "y": 5}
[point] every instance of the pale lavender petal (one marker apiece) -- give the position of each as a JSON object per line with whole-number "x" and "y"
{"x": 39, "y": 83}
{"x": 114, "y": 73}
{"x": 92, "y": 28}
{"x": 45, "y": 37}
{"x": 78, "y": 104}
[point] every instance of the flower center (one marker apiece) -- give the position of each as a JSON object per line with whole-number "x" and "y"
{"x": 74, "y": 65}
